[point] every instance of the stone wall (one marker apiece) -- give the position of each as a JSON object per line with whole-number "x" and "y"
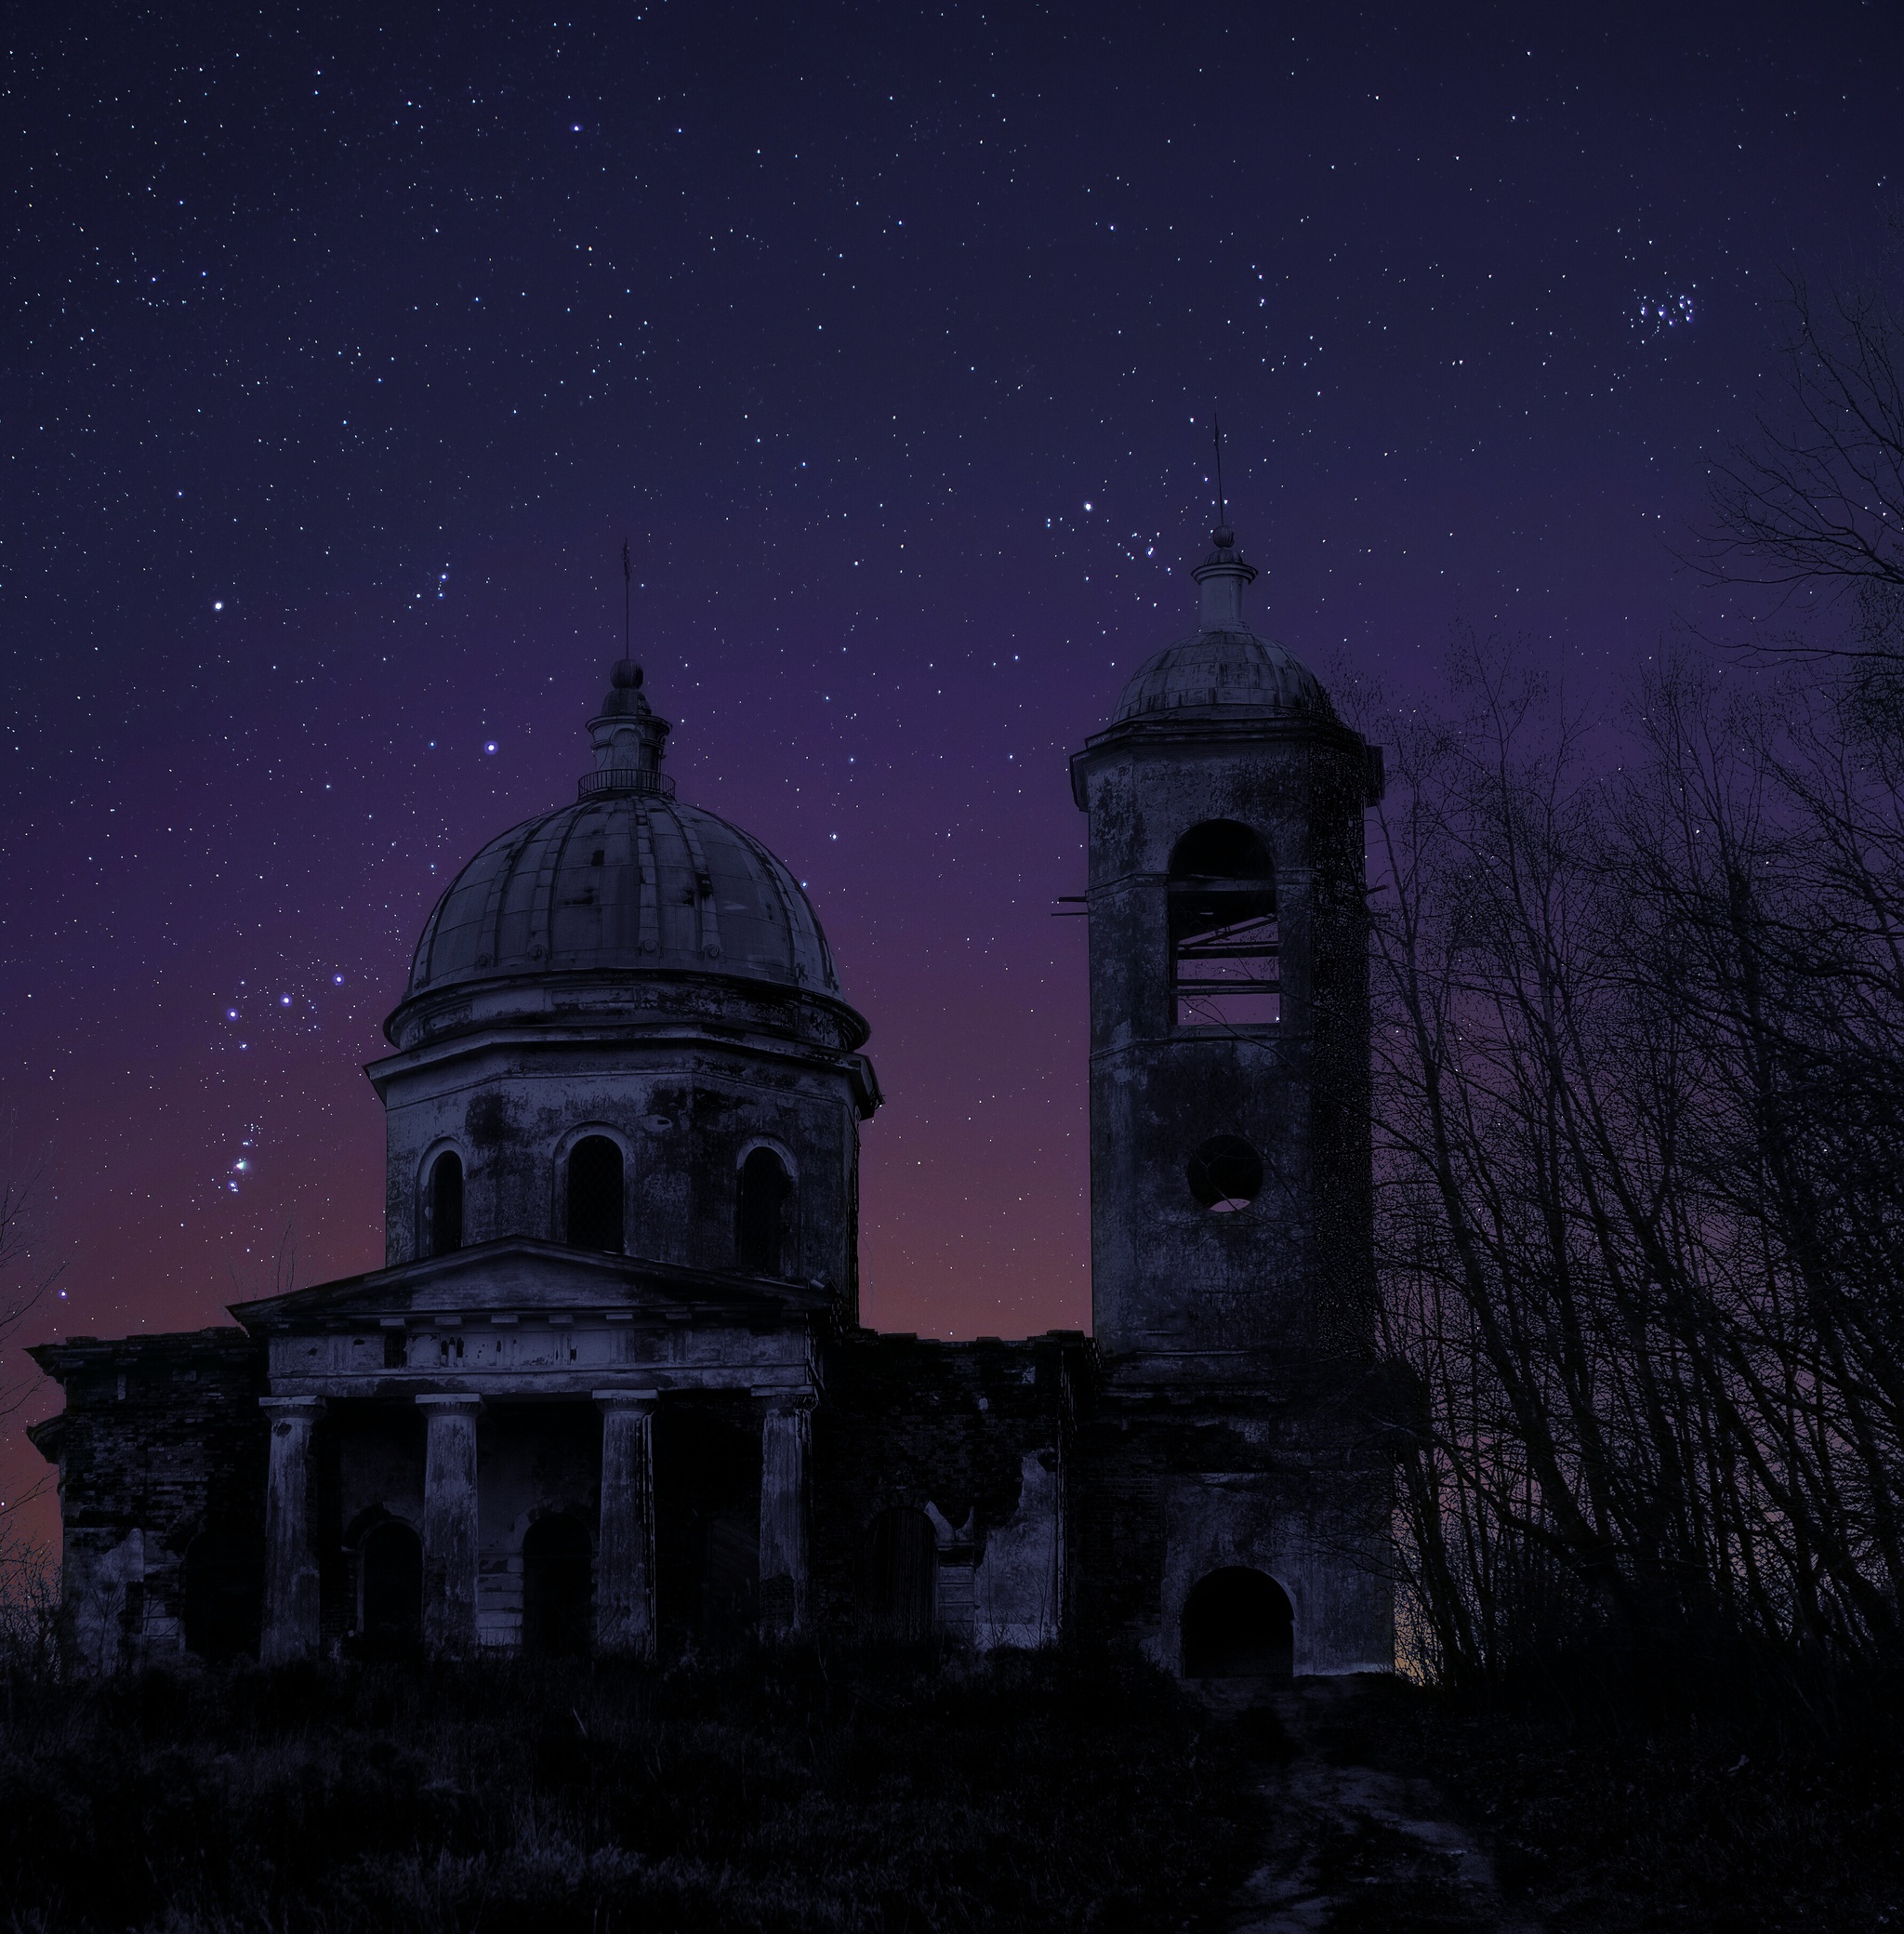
{"x": 161, "y": 1457}
{"x": 975, "y": 1437}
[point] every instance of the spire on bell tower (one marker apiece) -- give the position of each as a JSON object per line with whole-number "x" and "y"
{"x": 1223, "y": 575}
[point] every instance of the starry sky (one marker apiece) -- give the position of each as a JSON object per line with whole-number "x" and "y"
{"x": 343, "y": 348}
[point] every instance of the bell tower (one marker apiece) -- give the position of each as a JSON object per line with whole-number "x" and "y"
{"x": 1230, "y": 1168}
{"x": 1232, "y": 1228}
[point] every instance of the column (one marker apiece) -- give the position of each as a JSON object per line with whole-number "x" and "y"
{"x": 625, "y": 1553}
{"x": 785, "y": 1435}
{"x": 449, "y": 1524}
{"x": 290, "y": 1565}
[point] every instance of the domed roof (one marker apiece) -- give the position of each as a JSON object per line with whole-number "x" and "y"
{"x": 627, "y": 877}
{"x": 1224, "y": 664}
{"x": 629, "y": 881}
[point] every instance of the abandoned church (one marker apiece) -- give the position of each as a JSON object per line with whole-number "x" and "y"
{"x": 611, "y": 1389}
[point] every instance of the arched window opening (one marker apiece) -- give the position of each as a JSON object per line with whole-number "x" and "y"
{"x": 1224, "y": 969}
{"x": 442, "y": 1213}
{"x": 222, "y": 1599}
{"x": 902, "y": 1574}
{"x": 557, "y": 1588}
{"x": 765, "y": 1191}
{"x": 1226, "y": 1174}
{"x": 391, "y": 1583}
{"x": 596, "y": 1195}
{"x": 1238, "y": 1624}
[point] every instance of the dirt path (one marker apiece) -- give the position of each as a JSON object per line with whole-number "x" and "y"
{"x": 1354, "y": 1848}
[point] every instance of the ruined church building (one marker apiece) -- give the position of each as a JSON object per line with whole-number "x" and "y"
{"x": 611, "y": 1390}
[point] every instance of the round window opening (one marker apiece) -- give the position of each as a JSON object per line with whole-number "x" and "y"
{"x": 1226, "y": 1174}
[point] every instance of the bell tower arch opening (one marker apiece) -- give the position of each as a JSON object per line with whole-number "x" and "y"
{"x": 1224, "y": 944}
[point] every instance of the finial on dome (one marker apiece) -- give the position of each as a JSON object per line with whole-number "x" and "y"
{"x": 628, "y": 734}
{"x": 1220, "y": 579}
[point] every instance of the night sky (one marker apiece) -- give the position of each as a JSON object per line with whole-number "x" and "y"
{"x": 342, "y": 350}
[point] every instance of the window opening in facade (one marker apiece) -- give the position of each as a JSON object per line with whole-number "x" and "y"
{"x": 444, "y": 1212}
{"x": 1238, "y": 1624}
{"x": 1224, "y": 939}
{"x": 596, "y": 1195}
{"x": 766, "y": 1189}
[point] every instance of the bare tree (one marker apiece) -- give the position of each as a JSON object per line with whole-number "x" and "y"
{"x": 1814, "y": 501}
{"x": 1640, "y": 1064}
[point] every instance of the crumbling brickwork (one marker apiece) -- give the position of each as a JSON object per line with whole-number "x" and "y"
{"x": 160, "y": 1454}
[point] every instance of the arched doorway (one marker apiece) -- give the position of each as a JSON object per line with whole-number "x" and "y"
{"x": 902, "y": 1574}
{"x": 221, "y": 1597}
{"x": 1238, "y": 1624}
{"x": 557, "y": 1587}
{"x": 390, "y": 1574}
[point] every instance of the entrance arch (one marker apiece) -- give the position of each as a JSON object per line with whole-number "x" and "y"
{"x": 902, "y": 1574}
{"x": 391, "y": 1561}
{"x": 222, "y": 1599}
{"x": 1238, "y": 1624}
{"x": 557, "y": 1587}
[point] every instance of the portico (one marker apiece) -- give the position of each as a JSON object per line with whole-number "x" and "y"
{"x": 471, "y": 1398}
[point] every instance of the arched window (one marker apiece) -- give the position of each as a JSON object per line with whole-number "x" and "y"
{"x": 1238, "y": 1624}
{"x": 442, "y": 1213}
{"x": 595, "y": 1195}
{"x": 557, "y": 1587}
{"x": 902, "y": 1574}
{"x": 1223, "y": 940}
{"x": 390, "y": 1582}
{"x": 765, "y": 1190}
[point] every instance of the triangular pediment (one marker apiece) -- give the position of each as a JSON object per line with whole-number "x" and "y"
{"x": 518, "y": 1275}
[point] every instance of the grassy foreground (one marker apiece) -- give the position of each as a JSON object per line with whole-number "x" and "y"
{"x": 1609, "y": 1819}
{"x": 809, "y": 1790}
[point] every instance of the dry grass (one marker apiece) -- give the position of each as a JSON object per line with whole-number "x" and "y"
{"x": 802, "y": 1791}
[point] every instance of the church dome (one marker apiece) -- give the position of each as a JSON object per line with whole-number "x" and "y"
{"x": 629, "y": 881}
{"x": 626, "y": 879}
{"x": 1224, "y": 666}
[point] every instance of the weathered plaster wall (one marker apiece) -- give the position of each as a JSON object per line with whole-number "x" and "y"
{"x": 1167, "y": 1489}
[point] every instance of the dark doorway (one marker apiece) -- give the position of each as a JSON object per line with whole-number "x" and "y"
{"x": 764, "y": 1190}
{"x": 445, "y": 1204}
{"x": 221, "y": 1597}
{"x": 1238, "y": 1624}
{"x": 391, "y": 1557}
{"x": 558, "y": 1595}
{"x": 902, "y": 1574}
{"x": 707, "y": 1520}
{"x": 596, "y": 1195}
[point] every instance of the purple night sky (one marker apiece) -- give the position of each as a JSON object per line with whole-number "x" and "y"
{"x": 342, "y": 348}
